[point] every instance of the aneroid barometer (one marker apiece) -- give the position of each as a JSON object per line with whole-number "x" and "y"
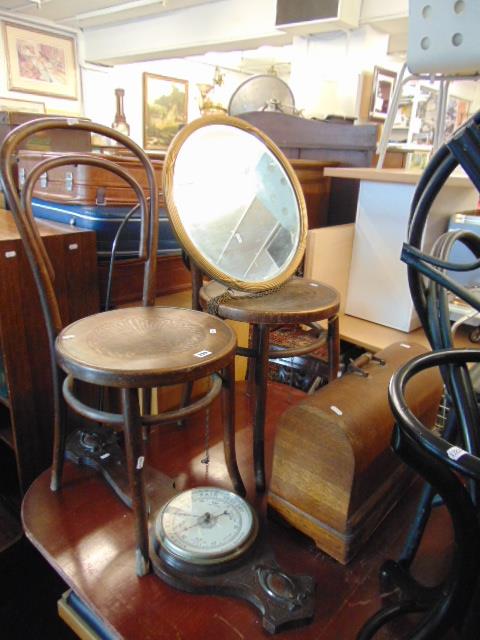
{"x": 207, "y": 541}
{"x": 206, "y": 526}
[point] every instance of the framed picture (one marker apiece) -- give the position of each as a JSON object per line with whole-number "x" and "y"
{"x": 165, "y": 109}
{"x": 26, "y": 106}
{"x": 40, "y": 62}
{"x": 382, "y": 92}
{"x": 458, "y": 111}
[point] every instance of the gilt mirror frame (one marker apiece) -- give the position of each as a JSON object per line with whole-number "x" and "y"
{"x": 203, "y": 263}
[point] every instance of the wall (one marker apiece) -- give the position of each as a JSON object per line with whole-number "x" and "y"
{"x": 100, "y": 83}
{"x": 325, "y": 69}
{"x": 52, "y": 104}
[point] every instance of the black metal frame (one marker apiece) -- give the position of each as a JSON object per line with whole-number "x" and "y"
{"x": 418, "y": 447}
{"x": 435, "y": 460}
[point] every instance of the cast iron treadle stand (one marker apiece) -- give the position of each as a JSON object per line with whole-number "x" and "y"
{"x": 453, "y": 603}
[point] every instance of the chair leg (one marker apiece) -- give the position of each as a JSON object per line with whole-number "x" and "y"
{"x": 187, "y": 392}
{"x": 333, "y": 339}
{"x": 135, "y": 462}
{"x": 59, "y": 433}
{"x": 228, "y": 407}
{"x": 260, "y": 339}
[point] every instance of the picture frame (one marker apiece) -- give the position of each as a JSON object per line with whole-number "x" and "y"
{"x": 40, "y": 62}
{"x": 25, "y": 106}
{"x": 165, "y": 110}
{"x": 383, "y": 85}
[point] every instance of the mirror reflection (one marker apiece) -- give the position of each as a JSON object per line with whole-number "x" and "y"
{"x": 236, "y": 203}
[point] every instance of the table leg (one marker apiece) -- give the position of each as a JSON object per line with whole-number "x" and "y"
{"x": 333, "y": 339}
{"x": 228, "y": 407}
{"x": 135, "y": 462}
{"x": 261, "y": 340}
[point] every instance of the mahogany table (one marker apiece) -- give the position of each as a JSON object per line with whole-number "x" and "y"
{"x": 87, "y": 536}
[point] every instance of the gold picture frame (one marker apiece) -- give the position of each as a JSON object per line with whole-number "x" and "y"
{"x": 25, "y": 106}
{"x": 165, "y": 109}
{"x": 382, "y": 92}
{"x": 40, "y": 62}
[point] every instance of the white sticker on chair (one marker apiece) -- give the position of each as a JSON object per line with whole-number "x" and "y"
{"x": 68, "y": 336}
{"x": 73, "y": 246}
{"x": 405, "y": 345}
{"x": 454, "y": 453}
{"x": 336, "y": 410}
{"x": 140, "y": 461}
{"x": 10, "y": 254}
{"x": 202, "y": 354}
{"x": 213, "y": 331}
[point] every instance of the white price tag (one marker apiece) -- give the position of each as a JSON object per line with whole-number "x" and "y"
{"x": 454, "y": 453}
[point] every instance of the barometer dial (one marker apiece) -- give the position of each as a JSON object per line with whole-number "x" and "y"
{"x": 206, "y": 525}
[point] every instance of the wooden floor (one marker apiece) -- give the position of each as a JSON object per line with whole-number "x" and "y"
{"x": 87, "y": 536}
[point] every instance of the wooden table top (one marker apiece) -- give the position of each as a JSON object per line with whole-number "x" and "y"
{"x": 87, "y": 535}
{"x": 9, "y": 231}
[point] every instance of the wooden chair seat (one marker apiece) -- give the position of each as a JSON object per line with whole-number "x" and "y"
{"x": 298, "y": 300}
{"x": 144, "y": 347}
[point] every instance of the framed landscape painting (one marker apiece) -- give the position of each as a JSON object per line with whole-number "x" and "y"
{"x": 40, "y": 62}
{"x": 165, "y": 109}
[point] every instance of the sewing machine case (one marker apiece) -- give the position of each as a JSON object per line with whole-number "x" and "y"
{"x": 334, "y": 476}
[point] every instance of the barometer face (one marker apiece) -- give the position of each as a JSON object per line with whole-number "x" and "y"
{"x": 206, "y": 525}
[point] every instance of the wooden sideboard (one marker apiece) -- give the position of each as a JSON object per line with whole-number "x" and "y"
{"x": 26, "y": 421}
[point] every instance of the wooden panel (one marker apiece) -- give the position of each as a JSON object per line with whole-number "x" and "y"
{"x": 328, "y": 255}
{"x": 373, "y": 337}
{"x": 172, "y": 276}
{"x": 294, "y": 132}
{"x": 316, "y": 190}
{"x": 24, "y": 339}
{"x": 51, "y": 139}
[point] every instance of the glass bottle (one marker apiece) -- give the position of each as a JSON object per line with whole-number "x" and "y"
{"x": 120, "y": 123}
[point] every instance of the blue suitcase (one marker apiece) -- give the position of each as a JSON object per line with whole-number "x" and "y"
{"x": 105, "y": 221}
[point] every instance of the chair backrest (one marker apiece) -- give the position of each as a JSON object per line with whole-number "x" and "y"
{"x": 443, "y": 37}
{"x": 20, "y": 205}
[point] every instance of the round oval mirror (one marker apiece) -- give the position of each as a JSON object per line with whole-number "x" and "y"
{"x": 235, "y": 203}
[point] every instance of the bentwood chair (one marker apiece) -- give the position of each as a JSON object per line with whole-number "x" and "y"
{"x": 455, "y": 602}
{"x": 131, "y": 349}
{"x": 431, "y": 277}
{"x": 239, "y": 212}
